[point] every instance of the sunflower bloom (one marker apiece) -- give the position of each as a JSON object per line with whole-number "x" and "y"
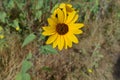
{"x": 62, "y": 27}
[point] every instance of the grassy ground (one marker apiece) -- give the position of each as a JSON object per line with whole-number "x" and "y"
{"x": 96, "y": 57}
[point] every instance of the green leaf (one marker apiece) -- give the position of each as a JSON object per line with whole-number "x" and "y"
{"x": 28, "y": 39}
{"x": 25, "y": 76}
{"x": 29, "y": 56}
{"x": 18, "y": 76}
{"x": 22, "y": 76}
{"x": 39, "y": 4}
{"x": 10, "y": 4}
{"x": 42, "y": 37}
{"x": 38, "y": 14}
{"x": 26, "y": 65}
{"x": 15, "y": 23}
{"x": 20, "y": 4}
{"x": 2, "y": 16}
{"x": 48, "y": 49}
{"x": 95, "y": 7}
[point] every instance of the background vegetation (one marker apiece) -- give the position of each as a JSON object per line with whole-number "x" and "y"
{"x": 24, "y": 55}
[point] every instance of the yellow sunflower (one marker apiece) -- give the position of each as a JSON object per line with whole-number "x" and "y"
{"x": 63, "y": 27}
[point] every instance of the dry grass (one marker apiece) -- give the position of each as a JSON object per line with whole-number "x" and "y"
{"x": 101, "y": 36}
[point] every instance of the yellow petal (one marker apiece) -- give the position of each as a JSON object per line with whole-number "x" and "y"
{"x": 74, "y": 28}
{"x": 63, "y": 7}
{"x": 76, "y": 25}
{"x": 48, "y": 31}
{"x": 72, "y": 37}
{"x": 61, "y": 43}
{"x": 67, "y": 42}
{"x": 51, "y": 22}
{"x": 69, "y": 5}
{"x": 55, "y": 43}
{"x": 69, "y": 8}
{"x": 47, "y": 28}
{"x": 54, "y": 18}
{"x": 74, "y": 19}
{"x": 76, "y": 31}
{"x": 70, "y": 17}
{"x": 60, "y": 15}
{"x": 51, "y": 39}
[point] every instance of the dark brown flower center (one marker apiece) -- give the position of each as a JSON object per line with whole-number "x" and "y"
{"x": 62, "y": 28}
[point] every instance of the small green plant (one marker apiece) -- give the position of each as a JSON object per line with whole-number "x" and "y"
{"x": 47, "y": 49}
{"x": 28, "y": 39}
{"x": 26, "y": 65}
{"x": 96, "y": 56}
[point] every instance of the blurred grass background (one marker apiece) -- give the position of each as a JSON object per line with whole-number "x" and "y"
{"x": 96, "y": 57}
